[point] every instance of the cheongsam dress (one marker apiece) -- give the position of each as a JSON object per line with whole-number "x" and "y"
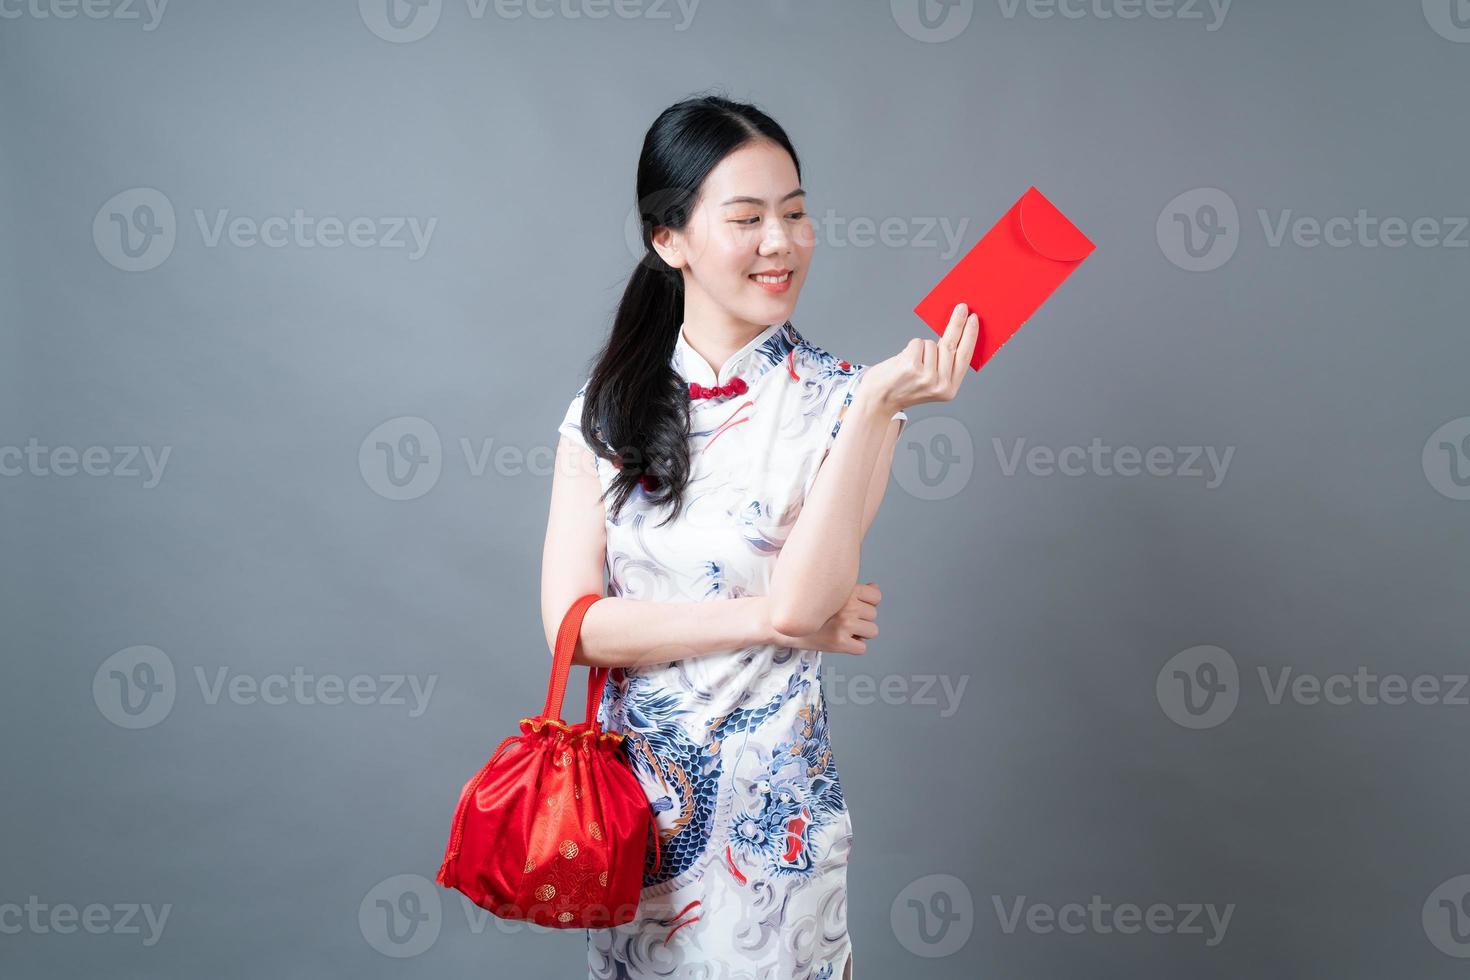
{"x": 733, "y": 748}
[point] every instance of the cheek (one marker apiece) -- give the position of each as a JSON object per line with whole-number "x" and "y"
{"x": 732, "y": 254}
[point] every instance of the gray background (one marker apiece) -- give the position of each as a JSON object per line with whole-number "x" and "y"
{"x": 1334, "y": 543}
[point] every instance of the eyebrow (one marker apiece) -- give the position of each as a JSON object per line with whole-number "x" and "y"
{"x": 755, "y": 200}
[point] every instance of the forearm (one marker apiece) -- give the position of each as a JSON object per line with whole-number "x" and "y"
{"x": 619, "y": 632}
{"x": 818, "y": 565}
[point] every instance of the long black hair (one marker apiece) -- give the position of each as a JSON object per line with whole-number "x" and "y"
{"x": 635, "y": 413}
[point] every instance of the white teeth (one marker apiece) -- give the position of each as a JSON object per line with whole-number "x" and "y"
{"x": 773, "y": 280}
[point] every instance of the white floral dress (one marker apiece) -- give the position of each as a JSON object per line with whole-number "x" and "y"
{"x": 732, "y": 748}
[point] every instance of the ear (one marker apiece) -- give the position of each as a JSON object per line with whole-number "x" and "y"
{"x": 666, "y": 243}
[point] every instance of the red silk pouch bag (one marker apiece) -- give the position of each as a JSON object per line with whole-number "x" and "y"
{"x": 555, "y": 828}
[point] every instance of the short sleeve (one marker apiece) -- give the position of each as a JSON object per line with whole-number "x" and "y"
{"x": 832, "y": 422}
{"x": 571, "y": 427}
{"x": 571, "y": 423}
{"x": 846, "y": 401}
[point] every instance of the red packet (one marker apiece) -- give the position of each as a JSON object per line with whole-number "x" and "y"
{"x": 1009, "y": 273}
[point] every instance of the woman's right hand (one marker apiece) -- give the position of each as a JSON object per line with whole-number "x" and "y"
{"x": 925, "y": 370}
{"x": 850, "y": 627}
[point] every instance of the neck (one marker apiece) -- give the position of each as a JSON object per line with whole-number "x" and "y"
{"x": 716, "y": 335}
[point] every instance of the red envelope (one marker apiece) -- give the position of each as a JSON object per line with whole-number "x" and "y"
{"x": 1009, "y": 273}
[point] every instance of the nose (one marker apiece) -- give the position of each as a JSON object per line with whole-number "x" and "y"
{"x": 776, "y": 239}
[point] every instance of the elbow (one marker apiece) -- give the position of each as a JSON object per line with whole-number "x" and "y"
{"x": 790, "y": 621}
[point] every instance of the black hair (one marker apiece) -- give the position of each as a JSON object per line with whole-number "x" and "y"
{"x": 635, "y": 412}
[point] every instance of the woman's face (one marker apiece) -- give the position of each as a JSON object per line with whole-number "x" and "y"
{"x": 750, "y": 218}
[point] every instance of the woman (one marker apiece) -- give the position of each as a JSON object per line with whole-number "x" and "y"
{"x": 715, "y": 454}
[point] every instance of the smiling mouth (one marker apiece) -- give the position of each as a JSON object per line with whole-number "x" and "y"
{"x": 772, "y": 280}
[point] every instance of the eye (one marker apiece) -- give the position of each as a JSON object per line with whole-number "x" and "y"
{"x": 793, "y": 215}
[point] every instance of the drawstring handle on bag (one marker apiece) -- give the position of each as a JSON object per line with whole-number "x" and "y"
{"x": 566, "y": 645}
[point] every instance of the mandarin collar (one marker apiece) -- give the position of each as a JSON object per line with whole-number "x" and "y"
{"x": 692, "y": 366}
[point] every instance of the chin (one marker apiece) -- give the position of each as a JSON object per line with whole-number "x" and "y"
{"x": 780, "y": 304}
